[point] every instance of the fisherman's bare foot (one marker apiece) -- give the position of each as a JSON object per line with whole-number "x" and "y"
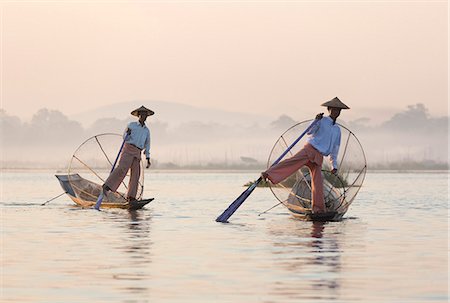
{"x": 105, "y": 188}
{"x": 264, "y": 175}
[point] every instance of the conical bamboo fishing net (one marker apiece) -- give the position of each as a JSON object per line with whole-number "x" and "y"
{"x": 339, "y": 191}
{"x": 92, "y": 161}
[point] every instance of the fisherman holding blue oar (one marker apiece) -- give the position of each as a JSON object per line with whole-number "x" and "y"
{"x": 136, "y": 139}
{"x": 324, "y": 140}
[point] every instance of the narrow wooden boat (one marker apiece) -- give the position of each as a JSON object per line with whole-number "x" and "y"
{"x": 308, "y": 215}
{"x": 84, "y": 193}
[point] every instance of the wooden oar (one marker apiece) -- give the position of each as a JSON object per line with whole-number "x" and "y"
{"x": 237, "y": 203}
{"x": 100, "y": 197}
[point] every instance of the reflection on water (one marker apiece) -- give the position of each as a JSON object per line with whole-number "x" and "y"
{"x": 309, "y": 252}
{"x": 136, "y": 247}
{"x": 385, "y": 250}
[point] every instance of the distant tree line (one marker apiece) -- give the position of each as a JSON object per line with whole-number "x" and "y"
{"x": 411, "y": 139}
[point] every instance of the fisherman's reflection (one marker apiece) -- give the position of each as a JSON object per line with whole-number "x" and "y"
{"x": 135, "y": 250}
{"x": 311, "y": 255}
{"x": 139, "y": 235}
{"x": 325, "y": 251}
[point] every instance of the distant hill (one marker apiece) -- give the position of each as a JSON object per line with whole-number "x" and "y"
{"x": 172, "y": 113}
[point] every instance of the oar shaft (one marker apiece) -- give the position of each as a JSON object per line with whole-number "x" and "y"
{"x": 294, "y": 143}
{"x": 118, "y": 155}
{"x": 100, "y": 197}
{"x": 237, "y": 203}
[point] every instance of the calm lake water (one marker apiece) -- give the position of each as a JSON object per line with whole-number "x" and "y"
{"x": 392, "y": 245}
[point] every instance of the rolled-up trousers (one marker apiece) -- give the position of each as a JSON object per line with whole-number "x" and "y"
{"x": 130, "y": 159}
{"x": 307, "y": 156}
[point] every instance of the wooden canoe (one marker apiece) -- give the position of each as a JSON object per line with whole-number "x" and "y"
{"x": 84, "y": 193}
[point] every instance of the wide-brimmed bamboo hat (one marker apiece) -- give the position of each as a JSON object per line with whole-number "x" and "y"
{"x": 142, "y": 109}
{"x": 336, "y": 103}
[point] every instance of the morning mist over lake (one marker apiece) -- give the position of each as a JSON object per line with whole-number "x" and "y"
{"x": 189, "y": 136}
{"x": 90, "y": 216}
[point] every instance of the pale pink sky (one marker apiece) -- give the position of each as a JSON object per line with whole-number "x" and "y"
{"x": 263, "y": 57}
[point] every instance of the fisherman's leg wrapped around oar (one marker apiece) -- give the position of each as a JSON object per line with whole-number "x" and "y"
{"x": 307, "y": 156}
{"x": 130, "y": 155}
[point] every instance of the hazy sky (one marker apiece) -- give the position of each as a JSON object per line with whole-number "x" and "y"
{"x": 265, "y": 57}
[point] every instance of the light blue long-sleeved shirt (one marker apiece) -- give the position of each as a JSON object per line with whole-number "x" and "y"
{"x": 139, "y": 137}
{"x": 326, "y": 138}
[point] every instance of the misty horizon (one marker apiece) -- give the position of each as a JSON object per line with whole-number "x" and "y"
{"x": 224, "y": 78}
{"x": 410, "y": 136}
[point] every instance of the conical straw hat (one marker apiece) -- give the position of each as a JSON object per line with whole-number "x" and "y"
{"x": 336, "y": 103}
{"x": 142, "y": 109}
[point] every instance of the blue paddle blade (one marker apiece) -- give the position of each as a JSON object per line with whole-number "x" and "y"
{"x": 235, "y": 205}
{"x": 99, "y": 201}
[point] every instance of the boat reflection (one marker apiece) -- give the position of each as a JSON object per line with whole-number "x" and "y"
{"x": 310, "y": 252}
{"x": 139, "y": 235}
{"x": 133, "y": 273}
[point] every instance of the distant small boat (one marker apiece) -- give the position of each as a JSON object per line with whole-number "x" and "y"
{"x": 84, "y": 193}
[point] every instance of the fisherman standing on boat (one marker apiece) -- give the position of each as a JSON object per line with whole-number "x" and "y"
{"x": 137, "y": 138}
{"x": 324, "y": 140}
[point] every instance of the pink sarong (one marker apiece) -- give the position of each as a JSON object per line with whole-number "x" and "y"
{"x": 307, "y": 156}
{"x": 130, "y": 158}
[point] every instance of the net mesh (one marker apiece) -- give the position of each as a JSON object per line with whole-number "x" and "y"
{"x": 91, "y": 164}
{"x": 339, "y": 190}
